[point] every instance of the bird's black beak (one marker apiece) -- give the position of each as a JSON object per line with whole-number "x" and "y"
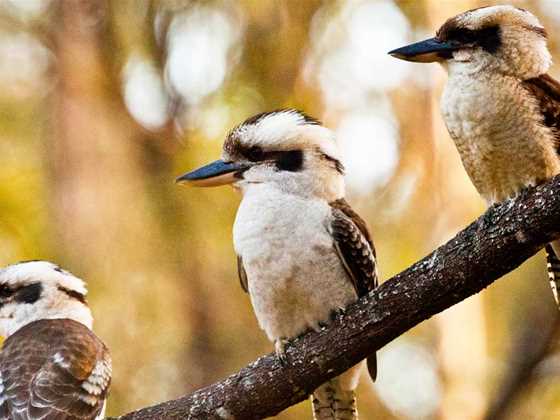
{"x": 426, "y": 51}
{"x": 214, "y": 174}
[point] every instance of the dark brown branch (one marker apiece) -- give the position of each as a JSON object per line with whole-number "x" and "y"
{"x": 499, "y": 241}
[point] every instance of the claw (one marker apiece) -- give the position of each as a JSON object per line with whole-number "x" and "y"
{"x": 321, "y": 325}
{"x": 338, "y": 312}
{"x": 280, "y": 349}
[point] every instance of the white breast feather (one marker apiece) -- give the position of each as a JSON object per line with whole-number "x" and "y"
{"x": 498, "y": 131}
{"x": 295, "y": 277}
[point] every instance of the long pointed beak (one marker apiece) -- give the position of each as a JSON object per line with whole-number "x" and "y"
{"x": 426, "y": 51}
{"x": 213, "y": 174}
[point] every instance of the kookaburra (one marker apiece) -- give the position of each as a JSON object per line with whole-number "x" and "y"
{"x": 302, "y": 252}
{"x": 52, "y": 366}
{"x": 500, "y": 106}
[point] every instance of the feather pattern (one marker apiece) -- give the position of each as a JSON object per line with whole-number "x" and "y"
{"x": 53, "y": 369}
{"x": 546, "y": 91}
{"x": 355, "y": 249}
{"x": 553, "y": 269}
{"x": 332, "y": 403}
{"x": 354, "y": 246}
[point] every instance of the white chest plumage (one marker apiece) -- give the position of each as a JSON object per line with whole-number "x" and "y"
{"x": 295, "y": 277}
{"x": 497, "y": 128}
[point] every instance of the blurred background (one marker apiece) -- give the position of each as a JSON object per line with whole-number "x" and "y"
{"x": 104, "y": 103}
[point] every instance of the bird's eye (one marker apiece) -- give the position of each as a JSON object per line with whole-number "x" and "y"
{"x": 255, "y": 154}
{"x": 5, "y": 292}
{"x": 29, "y": 294}
{"x": 463, "y": 36}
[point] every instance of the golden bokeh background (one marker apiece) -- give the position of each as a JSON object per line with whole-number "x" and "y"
{"x": 104, "y": 103}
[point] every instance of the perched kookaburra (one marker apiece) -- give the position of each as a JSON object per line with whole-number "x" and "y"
{"x": 52, "y": 366}
{"x": 499, "y": 105}
{"x": 302, "y": 252}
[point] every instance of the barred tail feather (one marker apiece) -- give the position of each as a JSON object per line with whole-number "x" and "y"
{"x": 323, "y": 402}
{"x": 331, "y": 402}
{"x": 345, "y": 406}
{"x": 553, "y": 268}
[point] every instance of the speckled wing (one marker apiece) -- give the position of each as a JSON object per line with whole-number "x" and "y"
{"x": 546, "y": 91}
{"x": 354, "y": 246}
{"x": 355, "y": 249}
{"x": 53, "y": 369}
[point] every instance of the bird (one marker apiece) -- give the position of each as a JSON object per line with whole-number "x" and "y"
{"x": 303, "y": 253}
{"x": 52, "y": 366}
{"x": 500, "y": 106}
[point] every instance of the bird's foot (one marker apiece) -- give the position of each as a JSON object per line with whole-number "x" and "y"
{"x": 338, "y": 312}
{"x": 321, "y": 325}
{"x": 280, "y": 349}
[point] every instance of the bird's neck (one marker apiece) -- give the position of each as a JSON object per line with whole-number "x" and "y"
{"x": 75, "y": 311}
{"x": 518, "y": 67}
{"x": 328, "y": 188}
{"x": 470, "y": 69}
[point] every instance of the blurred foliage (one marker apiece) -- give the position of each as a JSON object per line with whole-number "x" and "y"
{"x": 105, "y": 102}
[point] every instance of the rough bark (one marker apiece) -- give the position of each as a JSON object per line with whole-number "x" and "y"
{"x": 499, "y": 241}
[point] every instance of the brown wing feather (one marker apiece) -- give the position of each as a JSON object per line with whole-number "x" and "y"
{"x": 357, "y": 254}
{"x": 355, "y": 246}
{"x": 242, "y": 274}
{"x": 54, "y": 369}
{"x": 546, "y": 91}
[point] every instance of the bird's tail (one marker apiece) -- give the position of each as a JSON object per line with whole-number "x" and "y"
{"x": 331, "y": 402}
{"x": 553, "y": 268}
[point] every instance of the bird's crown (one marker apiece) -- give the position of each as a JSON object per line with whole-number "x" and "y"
{"x": 279, "y": 130}
{"x": 21, "y": 275}
{"x": 486, "y": 19}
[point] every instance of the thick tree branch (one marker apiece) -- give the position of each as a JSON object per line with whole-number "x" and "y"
{"x": 499, "y": 241}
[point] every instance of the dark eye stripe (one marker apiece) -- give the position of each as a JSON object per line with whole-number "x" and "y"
{"x": 337, "y": 164}
{"x": 73, "y": 294}
{"x": 290, "y": 161}
{"x": 488, "y": 38}
{"x": 5, "y": 292}
{"x": 537, "y": 30}
{"x": 254, "y": 154}
{"x": 462, "y": 35}
{"x": 28, "y": 294}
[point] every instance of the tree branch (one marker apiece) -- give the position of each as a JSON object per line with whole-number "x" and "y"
{"x": 499, "y": 241}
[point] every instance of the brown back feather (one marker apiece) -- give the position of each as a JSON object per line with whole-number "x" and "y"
{"x": 546, "y": 91}
{"x": 32, "y": 379}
